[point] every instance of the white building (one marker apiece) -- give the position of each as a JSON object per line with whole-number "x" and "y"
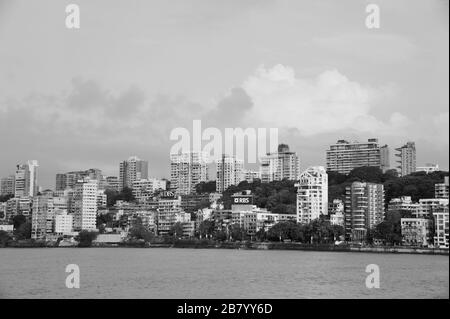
{"x": 26, "y": 179}
{"x": 280, "y": 165}
{"x": 427, "y": 206}
{"x": 312, "y": 194}
{"x": 63, "y": 222}
{"x": 406, "y": 159}
{"x": 251, "y": 175}
{"x": 441, "y": 189}
{"x": 428, "y": 168}
{"x": 85, "y": 205}
{"x": 230, "y": 171}
{"x": 144, "y": 189}
{"x": 441, "y": 227}
{"x": 403, "y": 203}
{"x": 187, "y": 170}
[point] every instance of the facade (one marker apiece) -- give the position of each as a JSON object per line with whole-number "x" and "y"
{"x": 7, "y": 185}
{"x": 169, "y": 205}
{"x": 345, "y": 156}
{"x": 43, "y": 217}
{"x": 364, "y": 209}
{"x": 441, "y": 189}
{"x": 187, "y": 170}
{"x": 312, "y": 194}
{"x": 427, "y": 206}
{"x": 280, "y": 165}
{"x": 385, "y": 158}
{"x": 85, "y": 205}
{"x": 428, "y": 168}
{"x": 131, "y": 170}
{"x": 336, "y": 212}
{"x": 143, "y": 189}
{"x": 112, "y": 183}
{"x": 415, "y": 231}
{"x": 406, "y": 159}
{"x": 229, "y": 171}
{"x": 441, "y": 230}
{"x": 68, "y": 180}
{"x": 250, "y": 175}
{"x": 63, "y": 222}
{"x": 403, "y": 203}
{"x": 189, "y": 203}
{"x": 26, "y": 179}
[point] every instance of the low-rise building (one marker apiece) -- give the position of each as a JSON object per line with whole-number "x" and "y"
{"x": 415, "y": 231}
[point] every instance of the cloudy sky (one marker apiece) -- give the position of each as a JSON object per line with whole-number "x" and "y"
{"x": 75, "y": 99}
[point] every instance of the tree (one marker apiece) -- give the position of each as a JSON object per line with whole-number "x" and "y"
{"x": 220, "y": 235}
{"x": 23, "y": 231}
{"x": 205, "y": 187}
{"x": 112, "y": 196}
{"x": 85, "y": 238}
{"x": 237, "y": 232}
{"x": 4, "y": 198}
{"x": 140, "y": 232}
{"x": 206, "y": 228}
{"x": 4, "y": 238}
{"x": 18, "y": 220}
{"x": 176, "y": 230}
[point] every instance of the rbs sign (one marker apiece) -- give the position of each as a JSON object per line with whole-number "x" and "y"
{"x": 241, "y": 200}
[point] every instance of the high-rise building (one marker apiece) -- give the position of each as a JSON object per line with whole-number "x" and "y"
{"x": 131, "y": 170}
{"x": 85, "y": 204}
{"x": 251, "y": 175}
{"x": 312, "y": 194}
{"x": 42, "y": 218}
{"x": 280, "y": 165}
{"x": 345, "y": 156}
{"x": 112, "y": 183}
{"x": 230, "y": 171}
{"x": 385, "y": 159}
{"x": 63, "y": 222}
{"x": 68, "y": 180}
{"x": 187, "y": 170}
{"x": 406, "y": 159}
{"x": 26, "y": 179}
{"x": 441, "y": 189}
{"x": 7, "y": 185}
{"x": 364, "y": 209}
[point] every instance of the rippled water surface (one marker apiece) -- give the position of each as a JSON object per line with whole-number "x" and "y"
{"x": 218, "y": 273}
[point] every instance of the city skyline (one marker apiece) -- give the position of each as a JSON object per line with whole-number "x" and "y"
{"x": 212, "y": 166}
{"x": 170, "y": 64}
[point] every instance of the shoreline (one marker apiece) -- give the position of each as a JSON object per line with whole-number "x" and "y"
{"x": 206, "y": 244}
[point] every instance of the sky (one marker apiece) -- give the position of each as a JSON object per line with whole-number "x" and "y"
{"x": 75, "y": 99}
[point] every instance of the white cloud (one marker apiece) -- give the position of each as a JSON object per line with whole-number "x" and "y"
{"x": 328, "y": 103}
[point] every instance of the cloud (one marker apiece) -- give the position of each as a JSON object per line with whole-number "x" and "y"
{"x": 230, "y": 109}
{"x": 328, "y": 103}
